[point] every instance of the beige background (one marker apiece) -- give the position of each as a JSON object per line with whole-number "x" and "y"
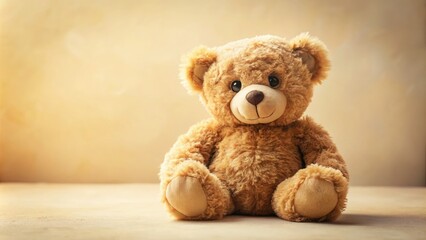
{"x": 89, "y": 89}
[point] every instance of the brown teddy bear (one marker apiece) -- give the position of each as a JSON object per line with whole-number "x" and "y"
{"x": 257, "y": 155}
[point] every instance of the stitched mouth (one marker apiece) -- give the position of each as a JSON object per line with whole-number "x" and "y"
{"x": 257, "y": 113}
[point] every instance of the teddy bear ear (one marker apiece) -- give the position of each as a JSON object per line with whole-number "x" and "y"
{"x": 313, "y": 53}
{"x": 194, "y": 66}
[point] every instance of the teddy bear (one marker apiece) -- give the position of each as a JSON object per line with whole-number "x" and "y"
{"x": 257, "y": 154}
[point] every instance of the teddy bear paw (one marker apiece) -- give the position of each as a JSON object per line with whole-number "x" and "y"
{"x": 187, "y": 196}
{"x": 315, "y": 198}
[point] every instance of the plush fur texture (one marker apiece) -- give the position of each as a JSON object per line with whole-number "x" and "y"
{"x": 287, "y": 166}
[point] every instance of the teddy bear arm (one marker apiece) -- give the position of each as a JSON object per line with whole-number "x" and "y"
{"x": 188, "y": 189}
{"x": 317, "y": 147}
{"x": 317, "y": 192}
{"x": 197, "y": 145}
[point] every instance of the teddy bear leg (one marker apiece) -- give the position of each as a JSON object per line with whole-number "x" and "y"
{"x": 193, "y": 193}
{"x": 316, "y": 193}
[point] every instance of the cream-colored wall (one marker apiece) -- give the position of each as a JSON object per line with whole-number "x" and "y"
{"x": 89, "y": 89}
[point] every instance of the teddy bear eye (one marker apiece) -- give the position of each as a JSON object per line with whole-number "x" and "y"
{"x": 273, "y": 81}
{"x": 236, "y": 86}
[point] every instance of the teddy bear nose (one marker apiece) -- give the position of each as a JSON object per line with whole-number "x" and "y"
{"x": 255, "y": 97}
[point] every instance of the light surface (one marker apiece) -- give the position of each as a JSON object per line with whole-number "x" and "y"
{"x": 89, "y": 90}
{"x": 133, "y": 211}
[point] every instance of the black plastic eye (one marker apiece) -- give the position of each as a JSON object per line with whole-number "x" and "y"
{"x": 274, "y": 82}
{"x": 236, "y": 86}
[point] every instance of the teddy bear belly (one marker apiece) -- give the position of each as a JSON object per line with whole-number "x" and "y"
{"x": 252, "y": 176}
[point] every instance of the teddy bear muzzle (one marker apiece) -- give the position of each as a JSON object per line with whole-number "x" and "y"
{"x": 257, "y": 103}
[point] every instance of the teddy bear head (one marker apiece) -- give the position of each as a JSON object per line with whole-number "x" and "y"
{"x": 260, "y": 80}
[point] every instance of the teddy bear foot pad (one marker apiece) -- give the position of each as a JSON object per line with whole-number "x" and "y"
{"x": 315, "y": 198}
{"x": 187, "y": 196}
